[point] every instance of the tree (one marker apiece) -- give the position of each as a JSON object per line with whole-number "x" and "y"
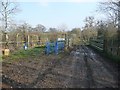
{"x": 101, "y": 28}
{"x": 23, "y": 30}
{"x": 74, "y": 36}
{"x": 110, "y": 8}
{"x": 53, "y": 30}
{"x": 7, "y": 9}
{"x": 89, "y": 29}
{"x": 119, "y": 29}
{"x": 40, "y": 28}
{"x": 62, "y": 27}
{"x": 76, "y": 31}
{"x": 53, "y": 34}
{"x": 89, "y": 21}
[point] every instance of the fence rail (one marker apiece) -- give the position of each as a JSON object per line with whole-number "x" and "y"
{"x": 109, "y": 45}
{"x": 13, "y": 45}
{"x": 97, "y": 43}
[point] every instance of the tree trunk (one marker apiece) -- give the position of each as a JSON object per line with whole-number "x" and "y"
{"x": 6, "y": 25}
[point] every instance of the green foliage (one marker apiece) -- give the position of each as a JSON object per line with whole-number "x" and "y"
{"x": 112, "y": 57}
{"x": 74, "y": 35}
{"x": 22, "y": 54}
{"x": 108, "y": 55}
{"x": 42, "y": 46}
{"x": 89, "y": 33}
{"x": 1, "y": 58}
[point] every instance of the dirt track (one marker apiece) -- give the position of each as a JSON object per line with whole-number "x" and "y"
{"x": 83, "y": 68}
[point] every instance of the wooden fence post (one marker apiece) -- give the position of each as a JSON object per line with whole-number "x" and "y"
{"x": 119, "y": 29}
{"x": 28, "y": 40}
{"x": 17, "y": 41}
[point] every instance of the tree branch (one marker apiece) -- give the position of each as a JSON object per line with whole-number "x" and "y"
{"x": 11, "y": 11}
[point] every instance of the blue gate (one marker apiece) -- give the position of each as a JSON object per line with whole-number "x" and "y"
{"x": 55, "y": 47}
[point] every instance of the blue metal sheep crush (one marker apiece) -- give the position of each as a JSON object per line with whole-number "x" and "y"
{"x": 54, "y": 47}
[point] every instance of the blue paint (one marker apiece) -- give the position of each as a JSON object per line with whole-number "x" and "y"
{"x": 47, "y": 48}
{"x": 55, "y": 47}
{"x": 25, "y": 46}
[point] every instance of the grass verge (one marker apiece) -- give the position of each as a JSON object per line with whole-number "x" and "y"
{"x": 22, "y": 54}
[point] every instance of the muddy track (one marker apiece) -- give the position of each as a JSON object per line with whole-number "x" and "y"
{"x": 102, "y": 62}
{"x": 83, "y": 68}
{"x": 112, "y": 70}
{"x": 90, "y": 78}
{"x": 95, "y": 71}
{"x": 91, "y": 81}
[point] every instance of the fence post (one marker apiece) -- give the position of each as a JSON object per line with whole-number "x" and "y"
{"x": 17, "y": 39}
{"x": 118, "y": 29}
{"x": 47, "y": 48}
{"x": 28, "y": 44}
{"x": 56, "y": 47}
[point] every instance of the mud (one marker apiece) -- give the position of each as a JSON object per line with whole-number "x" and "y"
{"x": 82, "y": 68}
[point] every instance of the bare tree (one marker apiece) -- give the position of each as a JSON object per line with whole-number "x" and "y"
{"x": 7, "y": 9}
{"x": 111, "y": 9}
{"x": 62, "y": 27}
{"x": 89, "y": 21}
{"x": 53, "y": 34}
{"x": 89, "y": 29}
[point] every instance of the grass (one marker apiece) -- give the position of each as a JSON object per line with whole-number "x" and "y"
{"x": 115, "y": 58}
{"x": 29, "y": 54}
{"x": 22, "y": 54}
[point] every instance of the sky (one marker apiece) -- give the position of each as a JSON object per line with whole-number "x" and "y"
{"x": 69, "y": 13}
